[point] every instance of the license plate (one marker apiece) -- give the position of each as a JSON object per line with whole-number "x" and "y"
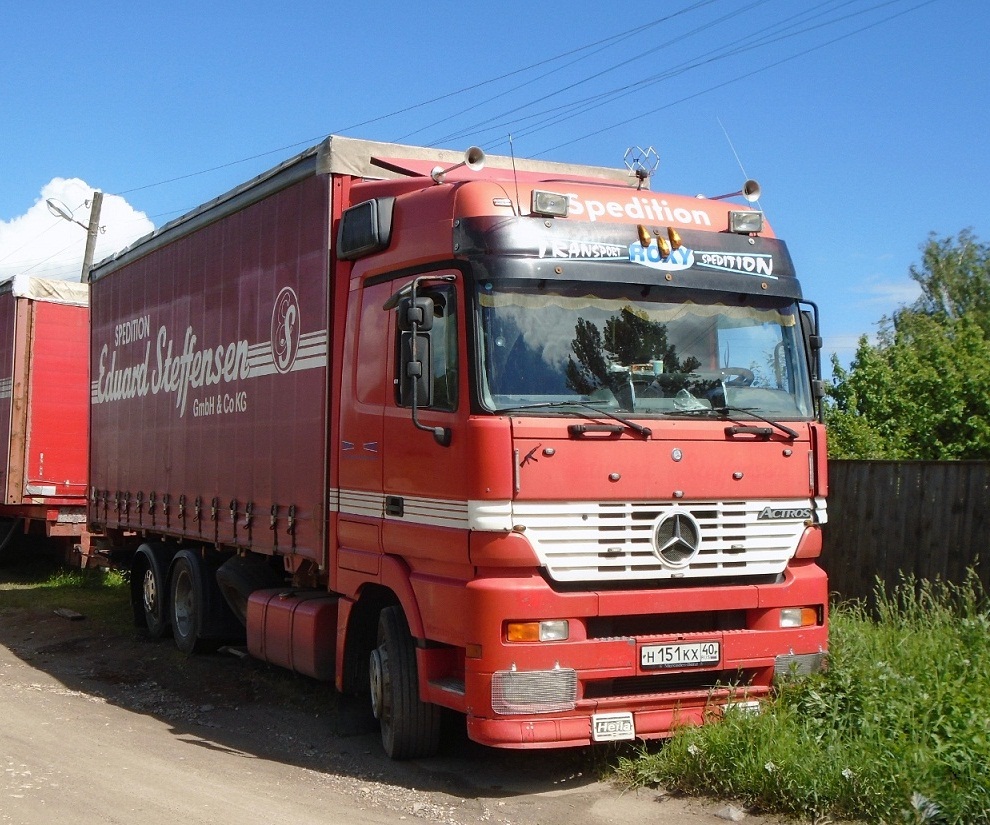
{"x": 686, "y": 654}
{"x": 612, "y": 727}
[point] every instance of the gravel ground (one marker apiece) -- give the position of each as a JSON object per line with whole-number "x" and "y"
{"x": 320, "y": 745}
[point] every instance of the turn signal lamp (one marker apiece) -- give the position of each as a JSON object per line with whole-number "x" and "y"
{"x": 746, "y": 223}
{"x": 547, "y": 631}
{"x": 798, "y": 617}
{"x": 548, "y": 204}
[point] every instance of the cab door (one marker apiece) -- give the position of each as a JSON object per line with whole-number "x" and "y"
{"x": 427, "y": 482}
{"x": 360, "y": 448}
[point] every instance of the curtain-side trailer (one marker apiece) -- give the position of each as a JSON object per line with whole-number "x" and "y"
{"x": 519, "y": 439}
{"x": 44, "y": 405}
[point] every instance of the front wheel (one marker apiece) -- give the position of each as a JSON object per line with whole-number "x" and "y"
{"x": 410, "y": 727}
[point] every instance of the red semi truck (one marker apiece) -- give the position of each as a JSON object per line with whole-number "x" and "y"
{"x": 44, "y": 391}
{"x": 518, "y": 439}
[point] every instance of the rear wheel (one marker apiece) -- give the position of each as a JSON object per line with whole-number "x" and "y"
{"x": 153, "y": 601}
{"x": 410, "y": 728}
{"x": 187, "y": 604}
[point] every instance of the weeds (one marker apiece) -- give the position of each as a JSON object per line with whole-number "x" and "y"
{"x": 72, "y": 578}
{"x": 84, "y": 591}
{"x": 897, "y": 729}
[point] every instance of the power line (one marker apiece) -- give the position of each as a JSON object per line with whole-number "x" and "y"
{"x": 741, "y": 77}
{"x": 598, "y": 74}
{"x": 422, "y": 104}
{"x": 602, "y": 45}
{"x": 775, "y": 34}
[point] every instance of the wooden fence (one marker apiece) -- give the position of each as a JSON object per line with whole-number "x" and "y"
{"x": 926, "y": 518}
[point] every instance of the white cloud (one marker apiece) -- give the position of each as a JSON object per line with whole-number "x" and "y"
{"x": 888, "y": 293}
{"x": 42, "y": 244}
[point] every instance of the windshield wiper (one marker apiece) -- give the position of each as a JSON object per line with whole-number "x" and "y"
{"x": 793, "y": 434}
{"x": 724, "y": 412}
{"x": 646, "y": 432}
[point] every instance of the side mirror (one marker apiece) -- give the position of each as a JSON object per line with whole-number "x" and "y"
{"x": 812, "y": 340}
{"x": 415, "y": 320}
{"x": 416, "y": 314}
{"x": 416, "y": 378}
{"x": 811, "y": 332}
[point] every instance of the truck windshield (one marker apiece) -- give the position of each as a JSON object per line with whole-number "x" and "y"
{"x": 652, "y": 352}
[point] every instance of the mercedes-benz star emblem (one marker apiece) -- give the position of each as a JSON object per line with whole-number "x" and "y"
{"x": 677, "y": 538}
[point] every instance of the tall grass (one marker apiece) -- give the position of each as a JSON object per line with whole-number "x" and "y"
{"x": 897, "y": 729}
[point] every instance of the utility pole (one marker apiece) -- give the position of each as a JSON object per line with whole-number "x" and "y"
{"x": 91, "y": 233}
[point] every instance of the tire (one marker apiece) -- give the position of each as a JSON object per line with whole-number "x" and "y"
{"x": 150, "y": 590}
{"x": 154, "y": 602}
{"x": 186, "y": 603}
{"x": 410, "y": 728}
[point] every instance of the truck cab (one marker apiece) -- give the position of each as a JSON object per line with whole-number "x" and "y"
{"x": 588, "y": 417}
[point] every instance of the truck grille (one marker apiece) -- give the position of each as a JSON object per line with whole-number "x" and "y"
{"x": 625, "y": 541}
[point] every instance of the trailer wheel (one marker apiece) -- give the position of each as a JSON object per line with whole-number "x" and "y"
{"x": 186, "y": 603}
{"x": 153, "y": 600}
{"x": 150, "y": 590}
{"x": 410, "y": 728}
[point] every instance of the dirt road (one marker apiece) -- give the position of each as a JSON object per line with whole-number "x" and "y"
{"x": 107, "y": 727}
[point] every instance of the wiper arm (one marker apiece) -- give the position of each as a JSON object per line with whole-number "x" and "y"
{"x": 793, "y": 434}
{"x": 646, "y": 432}
{"x": 723, "y": 412}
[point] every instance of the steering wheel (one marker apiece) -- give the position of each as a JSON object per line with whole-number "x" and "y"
{"x": 738, "y": 376}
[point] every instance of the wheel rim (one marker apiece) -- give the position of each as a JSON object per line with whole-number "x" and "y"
{"x": 379, "y": 681}
{"x": 184, "y": 609}
{"x": 150, "y": 592}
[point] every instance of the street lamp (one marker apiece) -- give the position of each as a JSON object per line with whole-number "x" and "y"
{"x": 60, "y": 210}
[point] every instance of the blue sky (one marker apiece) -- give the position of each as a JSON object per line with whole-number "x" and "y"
{"x": 863, "y": 120}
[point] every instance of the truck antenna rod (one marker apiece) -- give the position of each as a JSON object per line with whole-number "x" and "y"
{"x": 512, "y": 154}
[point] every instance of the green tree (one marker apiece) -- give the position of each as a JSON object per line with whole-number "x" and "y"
{"x": 922, "y": 391}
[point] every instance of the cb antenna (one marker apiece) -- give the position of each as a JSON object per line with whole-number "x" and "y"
{"x": 641, "y": 162}
{"x": 751, "y": 189}
{"x": 512, "y": 154}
